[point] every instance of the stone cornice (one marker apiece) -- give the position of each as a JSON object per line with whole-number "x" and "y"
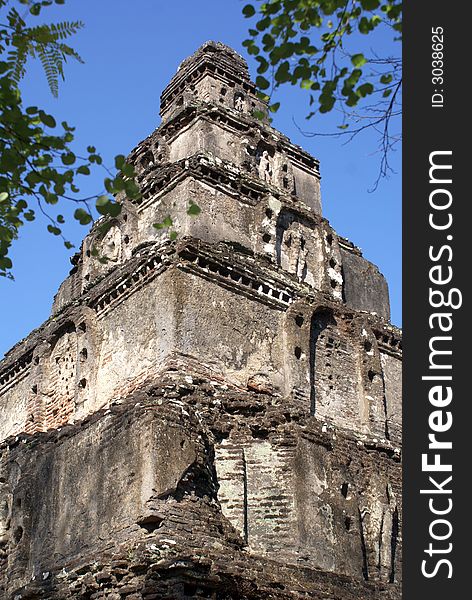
{"x": 389, "y": 339}
{"x": 234, "y": 121}
{"x": 15, "y": 372}
{"x": 240, "y": 122}
{"x": 220, "y": 174}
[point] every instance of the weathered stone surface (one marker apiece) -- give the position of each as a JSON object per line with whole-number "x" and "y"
{"x": 365, "y": 288}
{"x": 187, "y": 466}
{"x": 217, "y": 416}
{"x": 166, "y": 300}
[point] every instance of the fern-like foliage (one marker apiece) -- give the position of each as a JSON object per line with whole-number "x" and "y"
{"x": 45, "y": 42}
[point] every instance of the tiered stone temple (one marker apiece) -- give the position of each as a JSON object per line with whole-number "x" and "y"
{"x": 217, "y": 416}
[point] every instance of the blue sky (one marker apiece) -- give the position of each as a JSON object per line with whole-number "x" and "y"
{"x": 131, "y": 50}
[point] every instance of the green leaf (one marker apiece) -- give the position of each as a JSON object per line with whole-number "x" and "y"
{"x": 83, "y": 170}
{"x": 68, "y": 245}
{"x": 365, "y": 26}
{"x": 95, "y": 158}
{"x": 327, "y": 102}
{"x": 262, "y": 96}
{"x": 106, "y": 206}
{"x": 119, "y": 184}
{"x": 167, "y": 222}
{"x": 272, "y": 7}
{"x": 68, "y": 159}
{"x": 352, "y": 100}
{"x": 173, "y": 235}
{"x": 193, "y": 209}
{"x": 5, "y": 263}
{"x": 365, "y": 89}
{"x": 82, "y": 216}
{"x": 105, "y": 227}
{"x": 3, "y": 196}
{"x": 35, "y": 9}
{"x": 358, "y": 60}
{"x": 128, "y": 170}
{"x": 114, "y": 209}
{"x": 119, "y": 161}
{"x": 51, "y": 198}
{"x": 258, "y": 114}
{"x": 262, "y": 82}
{"x": 351, "y": 81}
{"x": 268, "y": 42}
{"x": 370, "y": 4}
{"x": 274, "y": 107}
{"x": 47, "y": 120}
{"x": 109, "y": 185}
{"x": 249, "y": 11}
{"x": 101, "y": 202}
{"x": 263, "y": 64}
{"x": 302, "y": 72}
{"x": 263, "y": 24}
{"x": 282, "y": 74}
{"x": 386, "y": 78}
{"x": 132, "y": 190}
{"x": 54, "y": 230}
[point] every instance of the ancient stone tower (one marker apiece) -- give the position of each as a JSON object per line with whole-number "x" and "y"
{"x": 215, "y": 416}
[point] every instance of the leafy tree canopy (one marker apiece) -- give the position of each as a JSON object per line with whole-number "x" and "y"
{"x": 38, "y": 168}
{"x": 301, "y": 42}
{"x": 311, "y": 43}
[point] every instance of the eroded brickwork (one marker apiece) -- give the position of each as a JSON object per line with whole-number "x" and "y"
{"x": 217, "y": 416}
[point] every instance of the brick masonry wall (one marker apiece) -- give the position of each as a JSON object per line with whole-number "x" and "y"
{"x": 189, "y": 464}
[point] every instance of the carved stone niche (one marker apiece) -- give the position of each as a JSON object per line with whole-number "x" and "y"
{"x": 145, "y": 160}
{"x": 249, "y": 155}
{"x": 265, "y": 162}
{"x": 297, "y": 247}
{"x": 273, "y": 167}
{"x": 109, "y": 247}
{"x": 150, "y": 154}
{"x": 239, "y": 102}
{"x": 284, "y": 178}
{"x": 60, "y": 387}
{"x": 379, "y": 527}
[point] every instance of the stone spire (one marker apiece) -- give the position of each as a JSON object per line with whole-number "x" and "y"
{"x": 215, "y": 74}
{"x": 220, "y": 401}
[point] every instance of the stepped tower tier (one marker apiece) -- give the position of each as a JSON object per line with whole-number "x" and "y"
{"x": 228, "y": 400}
{"x": 255, "y": 188}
